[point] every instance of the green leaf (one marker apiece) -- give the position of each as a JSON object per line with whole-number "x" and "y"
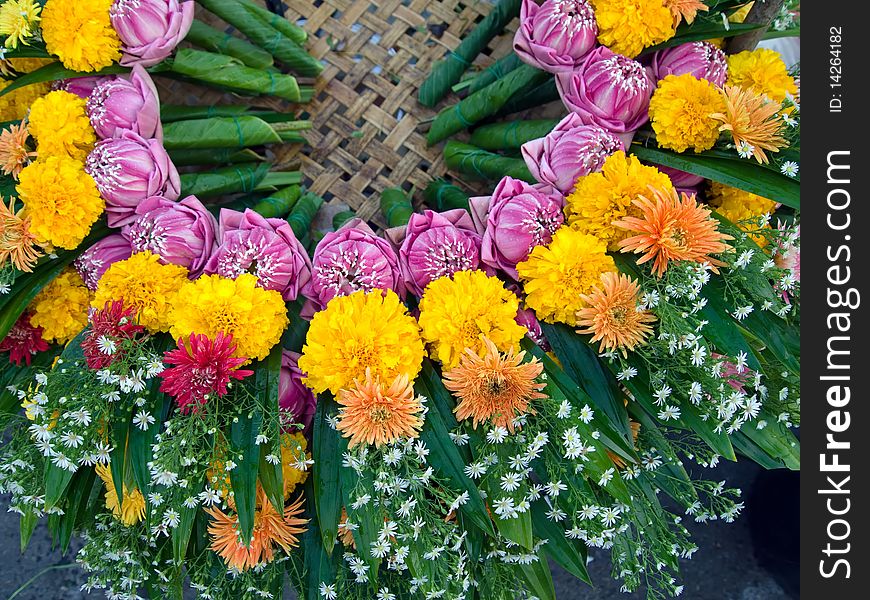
{"x": 26, "y": 524}
{"x": 245, "y": 452}
{"x": 511, "y": 135}
{"x": 738, "y": 173}
{"x": 473, "y": 161}
{"x": 267, "y": 374}
{"x": 569, "y": 554}
{"x": 326, "y": 449}
{"x": 369, "y": 518}
{"x": 76, "y": 503}
{"x": 445, "y": 456}
{"x": 703, "y": 29}
{"x": 538, "y": 576}
{"x": 54, "y": 72}
{"x": 56, "y": 482}
{"x": 318, "y": 561}
{"x": 442, "y": 196}
{"x": 207, "y": 37}
{"x": 228, "y": 180}
{"x": 120, "y": 426}
{"x": 746, "y": 447}
{"x": 518, "y": 529}
{"x": 219, "y": 132}
{"x": 181, "y": 534}
{"x": 776, "y": 440}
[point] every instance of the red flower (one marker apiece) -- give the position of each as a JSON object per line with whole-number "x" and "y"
{"x": 23, "y": 341}
{"x": 111, "y": 326}
{"x": 202, "y": 368}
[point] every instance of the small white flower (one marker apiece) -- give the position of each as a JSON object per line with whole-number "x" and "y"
{"x": 586, "y": 414}
{"x": 669, "y": 413}
{"x": 626, "y": 374}
{"x": 209, "y": 497}
{"x": 171, "y": 518}
{"x": 743, "y": 312}
{"x": 511, "y": 481}
{"x": 564, "y": 410}
{"x": 745, "y": 149}
{"x": 741, "y": 361}
{"x": 460, "y": 439}
{"x": 191, "y": 502}
{"x": 497, "y": 435}
{"x": 606, "y": 477}
{"x": 327, "y": 592}
{"x": 554, "y": 488}
{"x": 106, "y": 345}
{"x": 789, "y": 168}
{"x": 475, "y": 470}
{"x": 361, "y": 501}
{"x": 71, "y": 439}
{"x": 261, "y": 439}
{"x": 143, "y": 420}
{"x": 699, "y": 354}
{"x": 662, "y": 394}
{"x": 744, "y": 259}
{"x": 41, "y": 378}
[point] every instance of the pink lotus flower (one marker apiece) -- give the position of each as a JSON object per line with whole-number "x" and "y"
{"x": 181, "y": 233}
{"x": 80, "y": 86}
{"x": 202, "y": 371}
{"x": 295, "y": 400}
{"x": 556, "y": 35}
{"x": 119, "y": 104}
{"x": 150, "y": 29}
{"x": 435, "y": 245}
{"x": 572, "y": 150}
{"x": 94, "y": 261}
{"x": 608, "y": 90}
{"x": 701, "y": 59}
{"x": 527, "y": 318}
{"x": 685, "y": 183}
{"x": 351, "y": 259}
{"x": 268, "y": 248}
{"x": 516, "y": 218}
{"x": 127, "y": 170}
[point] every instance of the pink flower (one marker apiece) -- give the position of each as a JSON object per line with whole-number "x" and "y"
{"x": 351, "y": 259}
{"x": 435, "y": 245}
{"x": 80, "y": 86}
{"x": 23, "y": 342}
{"x": 556, "y": 35}
{"x": 150, "y": 29}
{"x": 701, "y": 59}
{"x": 684, "y": 182}
{"x": 268, "y": 248}
{"x": 527, "y": 318}
{"x": 572, "y": 150}
{"x": 127, "y": 170}
{"x": 94, "y": 261}
{"x": 295, "y": 400}
{"x": 515, "y": 219}
{"x": 202, "y": 370}
{"x": 113, "y": 330}
{"x": 608, "y": 90}
{"x": 181, "y": 232}
{"x": 119, "y": 104}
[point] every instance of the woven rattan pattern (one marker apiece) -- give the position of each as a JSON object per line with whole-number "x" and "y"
{"x": 369, "y": 129}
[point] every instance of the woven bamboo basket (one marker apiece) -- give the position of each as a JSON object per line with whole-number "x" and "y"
{"x": 368, "y": 128}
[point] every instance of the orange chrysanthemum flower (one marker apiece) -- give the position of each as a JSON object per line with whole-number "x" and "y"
{"x": 14, "y": 154}
{"x": 612, "y": 316}
{"x": 752, "y": 120}
{"x": 270, "y": 529}
{"x": 17, "y": 243}
{"x": 684, "y": 10}
{"x": 494, "y": 387}
{"x": 673, "y": 227}
{"x": 373, "y": 413}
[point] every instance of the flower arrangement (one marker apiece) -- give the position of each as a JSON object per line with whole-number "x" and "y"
{"x": 213, "y": 395}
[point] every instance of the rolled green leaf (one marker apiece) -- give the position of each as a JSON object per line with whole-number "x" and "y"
{"x": 471, "y": 160}
{"x": 274, "y": 180}
{"x": 290, "y": 30}
{"x": 449, "y": 70}
{"x": 484, "y": 103}
{"x": 342, "y": 217}
{"x": 396, "y": 206}
{"x": 207, "y": 37}
{"x": 228, "y": 180}
{"x": 219, "y": 132}
{"x": 180, "y": 112}
{"x": 303, "y": 212}
{"x": 184, "y": 157}
{"x": 510, "y": 135}
{"x": 442, "y": 196}
{"x": 494, "y": 72}
{"x": 280, "y": 203}
{"x": 56, "y": 71}
{"x": 226, "y": 72}
{"x": 265, "y": 36}
{"x": 531, "y": 98}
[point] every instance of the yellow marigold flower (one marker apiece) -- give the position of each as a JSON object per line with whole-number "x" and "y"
{"x": 629, "y": 26}
{"x": 145, "y": 284}
{"x": 379, "y": 412}
{"x": 601, "y": 198}
{"x": 293, "y": 446}
{"x": 494, "y": 387}
{"x": 17, "y": 244}
{"x": 681, "y": 112}
{"x": 358, "y": 332}
{"x": 462, "y": 311}
{"x": 742, "y": 208}
{"x": 80, "y": 33}
{"x": 753, "y": 121}
{"x": 15, "y": 104}
{"x": 255, "y": 317}
{"x": 61, "y": 200}
{"x": 61, "y": 307}
{"x": 14, "y": 154}
{"x": 59, "y": 123}
{"x": 556, "y": 276}
{"x": 762, "y": 71}
{"x": 18, "y": 21}
{"x": 132, "y": 508}
{"x": 673, "y": 227}
{"x": 612, "y": 315}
